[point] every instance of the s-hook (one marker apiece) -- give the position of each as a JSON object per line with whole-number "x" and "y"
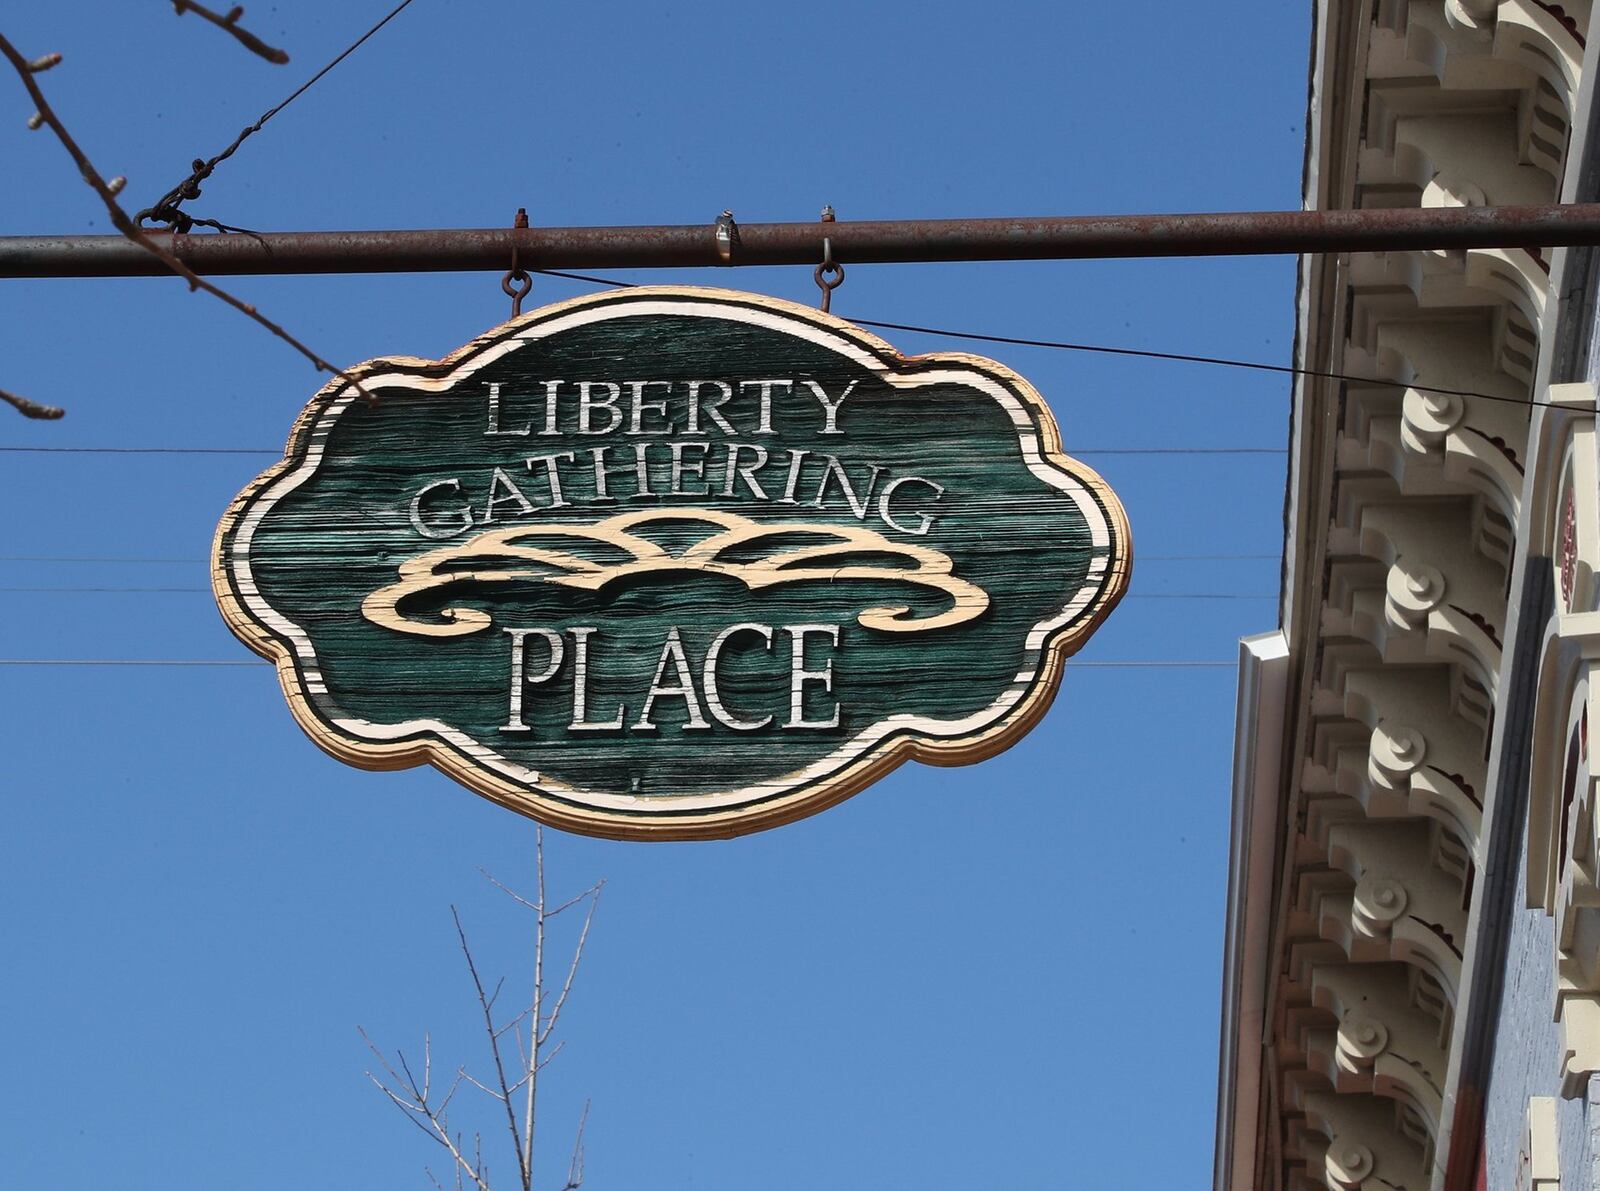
{"x": 830, "y": 273}
{"x": 517, "y": 282}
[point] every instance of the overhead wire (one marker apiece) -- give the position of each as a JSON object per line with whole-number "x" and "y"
{"x": 74, "y": 590}
{"x": 37, "y": 450}
{"x": 944, "y": 332}
{"x": 1139, "y": 352}
{"x": 166, "y": 207}
{"x": 1072, "y": 663}
{"x": 1059, "y": 345}
{"x": 75, "y": 558}
{"x": 196, "y": 561}
{"x": 32, "y": 450}
{"x": 947, "y": 333}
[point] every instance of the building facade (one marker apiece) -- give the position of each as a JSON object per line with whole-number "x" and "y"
{"x": 1412, "y": 969}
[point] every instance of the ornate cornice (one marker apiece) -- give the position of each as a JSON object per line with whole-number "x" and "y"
{"x": 1404, "y": 548}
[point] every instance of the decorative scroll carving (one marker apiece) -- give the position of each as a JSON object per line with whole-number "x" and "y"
{"x": 1403, "y": 770}
{"x": 1404, "y": 906}
{"x": 1363, "y": 1148}
{"x": 1396, "y": 596}
{"x": 1436, "y": 444}
{"x": 1383, "y": 1042}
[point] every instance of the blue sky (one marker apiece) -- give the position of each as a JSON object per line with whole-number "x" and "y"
{"x": 1002, "y": 975}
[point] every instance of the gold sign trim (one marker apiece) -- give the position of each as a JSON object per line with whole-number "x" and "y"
{"x": 784, "y": 565}
{"x": 865, "y": 758}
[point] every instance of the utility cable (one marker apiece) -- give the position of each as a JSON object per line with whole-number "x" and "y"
{"x": 201, "y": 562}
{"x": 166, "y": 209}
{"x": 1072, "y": 663}
{"x": 139, "y": 451}
{"x": 1136, "y": 595}
{"x": 1141, "y": 353}
{"x": 31, "y": 450}
{"x": 981, "y": 337}
{"x": 977, "y": 336}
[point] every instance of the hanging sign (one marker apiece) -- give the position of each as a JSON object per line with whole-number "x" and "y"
{"x": 671, "y": 562}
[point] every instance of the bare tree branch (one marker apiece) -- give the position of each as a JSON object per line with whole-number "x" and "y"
{"x": 412, "y": 1112}
{"x": 482, "y": 1087}
{"x": 32, "y": 409}
{"x": 575, "y": 1167}
{"x": 379, "y": 1055}
{"x": 166, "y": 208}
{"x": 411, "y": 1080}
{"x": 428, "y": 1117}
{"x": 476, "y": 1173}
{"x": 577, "y": 957}
{"x": 530, "y": 1110}
{"x": 229, "y": 23}
{"x": 533, "y": 1053}
{"x": 487, "y": 1005}
{"x": 510, "y": 892}
{"x": 546, "y": 1060}
{"x": 522, "y": 901}
{"x": 444, "y": 1105}
{"x": 108, "y": 191}
{"x": 515, "y": 1025}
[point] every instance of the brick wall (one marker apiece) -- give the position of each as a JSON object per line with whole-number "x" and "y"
{"x": 1527, "y": 1060}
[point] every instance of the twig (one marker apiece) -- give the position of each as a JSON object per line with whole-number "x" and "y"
{"x": 572, "y": 968}
{"x": 411, "y": 1110}
{"x": 482, "y": 1087}
{"x": 514, "y": 1024}
{"x": 229, "y": 23}
{"x": 534, "y": 1036}
{"x": 411, "y": 1080}
{"x": 408, "y": 1107}
{"x": 107, "y": 191}
{"x": 476, "y": 1173}
{"x": 546, "y": 1060}
{"x": 522, "y": 901}
{"x": 414, "y": 1096}
{"x": 165, "y": 210}
{"x": 487, "y": 1005}
{"x": 575, "y": 1167}
{"x": 506, "y": 889}
{"x": 32, "y": 409}
{"x": 417, "y": 1108}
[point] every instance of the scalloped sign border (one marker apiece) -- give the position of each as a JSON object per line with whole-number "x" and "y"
{"x": 855, "y": 763}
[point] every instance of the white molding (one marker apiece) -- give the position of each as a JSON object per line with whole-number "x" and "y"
{"x": 1257, "y": 764}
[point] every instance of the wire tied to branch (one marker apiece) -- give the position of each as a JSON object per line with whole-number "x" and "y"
{"x": 108, "y": 191}
{"x": 166, "y": 208}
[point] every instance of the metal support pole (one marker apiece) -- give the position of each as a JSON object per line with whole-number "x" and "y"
{"x": 859, "y": 242}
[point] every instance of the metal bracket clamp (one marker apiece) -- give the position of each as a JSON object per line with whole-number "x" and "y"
{"x": 727, "y": 237}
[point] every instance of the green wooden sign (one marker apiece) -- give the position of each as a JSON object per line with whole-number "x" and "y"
{"x": 671, "y": 563}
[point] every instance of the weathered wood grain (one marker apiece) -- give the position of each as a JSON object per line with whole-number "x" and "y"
{"x": 386, "y": 602}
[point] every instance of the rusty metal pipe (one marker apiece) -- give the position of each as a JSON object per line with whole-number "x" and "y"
{"x": 858, "y": 242}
